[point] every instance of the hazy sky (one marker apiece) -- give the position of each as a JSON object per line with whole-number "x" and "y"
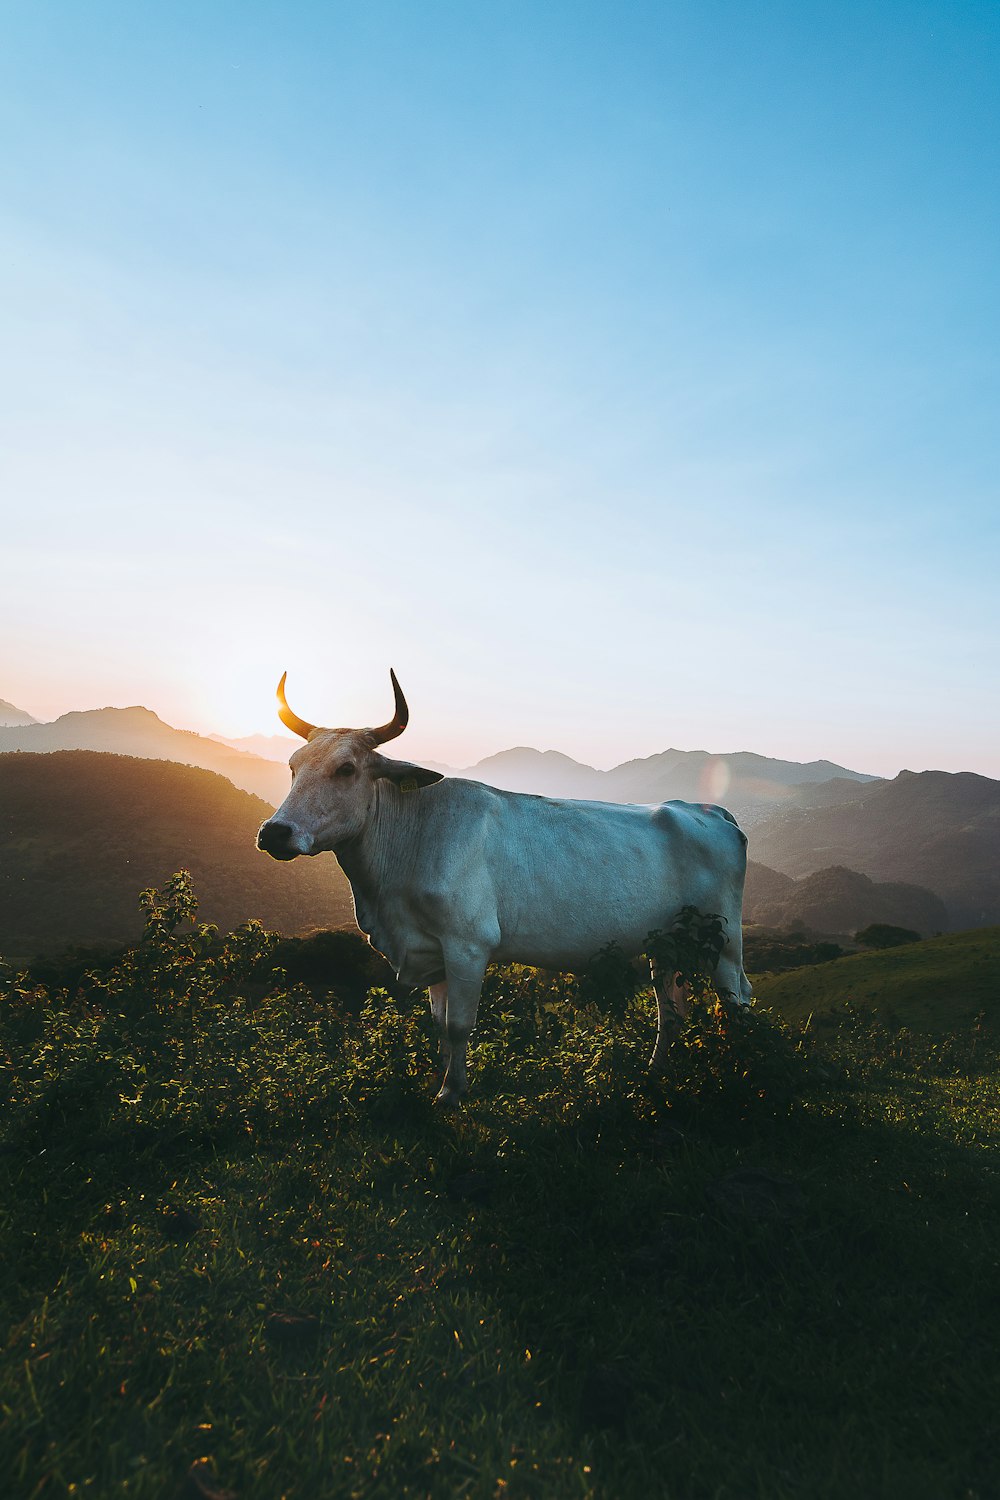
{"x": 626, "y": 376}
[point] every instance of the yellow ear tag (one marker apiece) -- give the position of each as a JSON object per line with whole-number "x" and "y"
{"x": 409, "y": 785}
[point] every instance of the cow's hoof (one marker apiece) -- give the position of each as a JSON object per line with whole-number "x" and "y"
{"x": 449, "y": 1099}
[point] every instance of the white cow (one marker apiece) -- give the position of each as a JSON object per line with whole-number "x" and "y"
{"x": 451, "y": 875}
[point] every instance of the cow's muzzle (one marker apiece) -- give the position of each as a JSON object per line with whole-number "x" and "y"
{"x": 280, "y": 840}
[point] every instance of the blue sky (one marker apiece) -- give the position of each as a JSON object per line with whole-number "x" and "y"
{"x": 624, "y": 376}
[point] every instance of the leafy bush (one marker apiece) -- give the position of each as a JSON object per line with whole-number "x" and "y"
{"x": 691, "y": 946}
{"x": 736, "y": 1061}
{"x": 169, "y": 1036}
{"x": 236, "y": 1230}
{"x": 339, "y": 961}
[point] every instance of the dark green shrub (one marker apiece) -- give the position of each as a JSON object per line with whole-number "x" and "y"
{"x": 610, "y": 982}
{"x": 773, "y": 953}
{"x": 884, "y": 935}
{"x": 343, "y": 962}
{"x": 736, "y": 1061}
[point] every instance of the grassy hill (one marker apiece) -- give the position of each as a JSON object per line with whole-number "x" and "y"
{"x": 81, "y": 832}
{"x": 938, "y": 985}
{"x": 244, "y": 1255}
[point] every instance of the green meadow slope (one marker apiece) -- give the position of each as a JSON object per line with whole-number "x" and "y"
{"x": 938, "y": 985}
{"x": 245, "y": 1256}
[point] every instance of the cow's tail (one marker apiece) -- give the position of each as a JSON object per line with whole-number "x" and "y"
{"x": 742, "y": 991}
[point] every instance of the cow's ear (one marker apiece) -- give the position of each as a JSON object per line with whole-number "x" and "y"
{"x": 402, "y": 774}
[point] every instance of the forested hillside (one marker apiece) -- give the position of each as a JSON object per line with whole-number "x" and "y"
{"x": 931, "y": 828}
{"x": 838, "y": 901}
{"x": 82, "y": 832}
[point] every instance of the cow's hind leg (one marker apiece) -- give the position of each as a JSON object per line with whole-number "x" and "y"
{"x": 462, "y": 989}
{"x": 673, "y": 995}
{"x": 731, "y": 982}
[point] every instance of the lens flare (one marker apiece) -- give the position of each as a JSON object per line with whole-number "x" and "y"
{"x": 714, "y": 781}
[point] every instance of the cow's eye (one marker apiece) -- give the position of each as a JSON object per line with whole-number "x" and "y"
{"x": 347, "y": 769}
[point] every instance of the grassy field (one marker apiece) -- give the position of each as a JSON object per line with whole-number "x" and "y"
{"x": 942, "y": 984}
{"x": 244, "y": 1255}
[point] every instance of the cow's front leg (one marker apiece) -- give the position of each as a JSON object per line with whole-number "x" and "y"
{"x": 673, "y": 1005}
{"x": 438, "y": 994}
{"x": 461, "y": 1003}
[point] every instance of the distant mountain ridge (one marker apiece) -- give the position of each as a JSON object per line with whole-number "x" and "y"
{"x": 11, "y": 716}
{"x": 276, "y": 747}
{"x": 749, "y": 785}
{"x": 139, "y": 732}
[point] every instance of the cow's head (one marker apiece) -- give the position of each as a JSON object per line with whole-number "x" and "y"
{"x": 334, "y": 779}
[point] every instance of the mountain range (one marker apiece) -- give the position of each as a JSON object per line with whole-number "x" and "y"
{"x": 831, "y": 849}
{"x": 11, "y": 716}
{"x": 277, "y": 747}
{"x": 937, "y": 829}
{"x": 751, "y": 786}
{"x": 139, "y": 732}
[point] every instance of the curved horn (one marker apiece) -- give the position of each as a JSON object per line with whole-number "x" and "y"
{"x": 399, "y": 720}
{"x": 289, "y": 719}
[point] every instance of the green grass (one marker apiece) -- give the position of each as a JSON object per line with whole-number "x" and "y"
{"x": 562, "y": 1290}
{"x": 938, "y": 985}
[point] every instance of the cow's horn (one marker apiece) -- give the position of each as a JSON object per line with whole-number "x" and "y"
{"x": 289, "y": 719}
{"x": 399, "y": 720}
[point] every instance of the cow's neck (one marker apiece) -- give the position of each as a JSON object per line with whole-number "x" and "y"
{"x": 379, "y": 860}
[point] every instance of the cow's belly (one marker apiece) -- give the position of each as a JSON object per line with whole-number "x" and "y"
{"x": 564, "y": 929}
{"x": 572, "y": 948}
